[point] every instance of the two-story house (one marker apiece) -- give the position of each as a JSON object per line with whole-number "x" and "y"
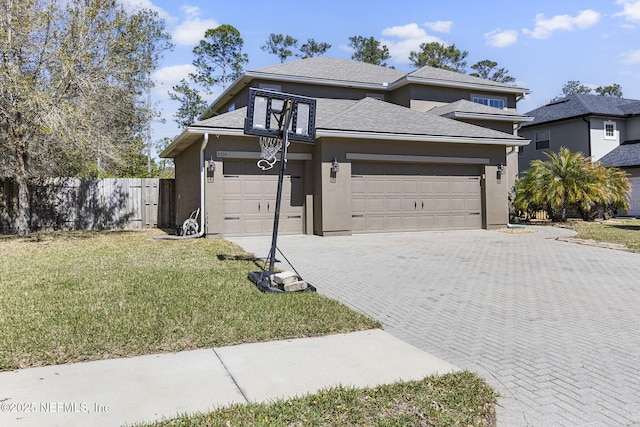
{"x": 429, "y": 149}
{"x": 607, "y": 129}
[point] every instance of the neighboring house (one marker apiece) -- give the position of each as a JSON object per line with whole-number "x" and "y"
{"x": 627, "y": 157}
{"x": 607, "y": 129}
{"x": 401, "y": 166}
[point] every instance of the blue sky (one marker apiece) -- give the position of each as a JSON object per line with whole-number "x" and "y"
{"x": 542, "y": 43}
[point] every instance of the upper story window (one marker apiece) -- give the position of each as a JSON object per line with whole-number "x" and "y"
{"x": 609, "y": 129}
{"x": 491, "y": 102}
{"x": 231, "y": 108}
{"x": 542, "y": 139}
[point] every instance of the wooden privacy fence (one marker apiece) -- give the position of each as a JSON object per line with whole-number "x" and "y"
{"x": 92, "y": 203}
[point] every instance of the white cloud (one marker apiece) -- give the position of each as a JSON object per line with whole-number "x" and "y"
{"x": 439, "y": 26}
{"x": 407, "y": 38}
{"x": 167, "y": 77}
{"x": 147, "y": 4}
{"x": 546, "y": 27}
{"x": 631, "y": 57}
{"x": 409, "y": 31}
{"x": 499, "y": 38}
{"x": 630, "y": 10}
{"x": 192, "y": 30}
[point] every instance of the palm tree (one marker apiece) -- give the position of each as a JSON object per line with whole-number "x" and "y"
{"x": 569, "y": 181}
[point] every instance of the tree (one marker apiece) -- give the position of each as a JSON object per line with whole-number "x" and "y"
{"x": 369, "y": 50}
{"x": 72, "y": 75}
{"x": 438, "y": 55}
{"x": 219, "y": 57}
{"x": 312, "y": 48}
{"x": 191, "y": 103}
{"x": 280, "y": 45}
{"x": 614, "y": 90}
{"x": 486, "y": 69}
{"x": 569, "y": 181}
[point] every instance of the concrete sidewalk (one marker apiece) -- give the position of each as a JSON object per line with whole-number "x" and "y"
{"x": 147, "y": 388}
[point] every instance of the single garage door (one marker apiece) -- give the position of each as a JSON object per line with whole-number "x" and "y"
{"x": 412, "y": 197}
{"x": 250, "y": 198}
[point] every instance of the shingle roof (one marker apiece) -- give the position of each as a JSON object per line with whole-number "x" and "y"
{"x": 325, "y": 68}
{"x": 583, "y": 105}
{"x": 625, "y": 155}
{"x": 432, "y": 73}
{"x": 466, "y": 106}
{"x": 372, "y": 116}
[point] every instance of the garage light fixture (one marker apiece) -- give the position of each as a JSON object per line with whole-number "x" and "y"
{"x": 212, "y": 166}
{"x": 335, "y": 166}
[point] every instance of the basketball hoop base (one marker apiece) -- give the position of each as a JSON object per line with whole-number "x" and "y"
{"x": 262, "y": 279}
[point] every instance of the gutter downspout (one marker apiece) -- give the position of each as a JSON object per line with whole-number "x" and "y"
{"x": 588, "y": 122}
{"x": 203, "y": 146}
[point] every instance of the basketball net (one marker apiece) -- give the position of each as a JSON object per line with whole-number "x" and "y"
{"x": 269, "y": 148}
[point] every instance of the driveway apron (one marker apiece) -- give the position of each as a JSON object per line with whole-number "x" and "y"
{"x": 552, "y": 325}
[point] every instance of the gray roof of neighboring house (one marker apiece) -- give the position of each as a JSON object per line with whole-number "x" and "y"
{"x": 581, "y": 105}
{"x": 625, "y": 155}
{"x": 474, "y": 108}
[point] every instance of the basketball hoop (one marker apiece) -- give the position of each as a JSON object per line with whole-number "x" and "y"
{"x": 269, "y": 148}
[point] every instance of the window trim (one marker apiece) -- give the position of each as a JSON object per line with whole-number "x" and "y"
{"x": 613, "y": 129}
{"x": 544, "y": 142}
{"x": 489, "y": 98}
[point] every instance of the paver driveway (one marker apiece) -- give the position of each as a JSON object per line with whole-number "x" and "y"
{"x": 553, "y": 326}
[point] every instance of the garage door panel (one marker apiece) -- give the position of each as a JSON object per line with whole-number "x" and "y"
{"x": 249, "y": 199}
{"x": 396, "y": 197}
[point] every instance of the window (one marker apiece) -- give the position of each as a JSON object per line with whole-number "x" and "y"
{"x": 491, "y": 102}
{"x": 609, "y": 129}
{"x": 231, "y": 108}
{"x": 542, "y": 139}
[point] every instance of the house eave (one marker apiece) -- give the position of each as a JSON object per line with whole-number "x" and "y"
{"x": 496, "y": 117}
{"x": 461, "y": 85}
{"x": 509, "y": 142}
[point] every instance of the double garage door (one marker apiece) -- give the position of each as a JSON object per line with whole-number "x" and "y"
{"x": 384, "y": 197}
{"x": 412, "y": 197}
{"x": 249, "y": 199}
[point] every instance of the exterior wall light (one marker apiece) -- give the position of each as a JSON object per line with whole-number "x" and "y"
{"x": 212, "y": 167}
{"x": 335, "y": 166}
{"x": 501, "y": 169}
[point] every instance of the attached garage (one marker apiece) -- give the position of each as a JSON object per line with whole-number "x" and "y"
{"x": 413, "y": 197}
{"x": 249, "y": 199}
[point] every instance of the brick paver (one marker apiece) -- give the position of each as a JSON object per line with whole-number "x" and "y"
{"x": 552, "y": 325}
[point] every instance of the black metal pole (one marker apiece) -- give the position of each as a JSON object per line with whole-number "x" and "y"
{"x": 283, "y": 166}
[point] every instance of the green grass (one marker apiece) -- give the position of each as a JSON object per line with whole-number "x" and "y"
{"x": 79, "y": 296}
{"x": 456, "y": 399}
{"x": 625, "y": 231}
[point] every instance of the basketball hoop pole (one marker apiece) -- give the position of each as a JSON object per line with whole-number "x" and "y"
{"x": 283, "y": 165}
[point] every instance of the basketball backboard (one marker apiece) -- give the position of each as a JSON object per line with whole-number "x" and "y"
{"x": 265, "y": 114}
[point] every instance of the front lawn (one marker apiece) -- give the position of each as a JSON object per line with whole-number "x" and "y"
{"x": 618, "y": 230}
{"x": 455, "y": 399}
{"x": 79, "y": 296}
